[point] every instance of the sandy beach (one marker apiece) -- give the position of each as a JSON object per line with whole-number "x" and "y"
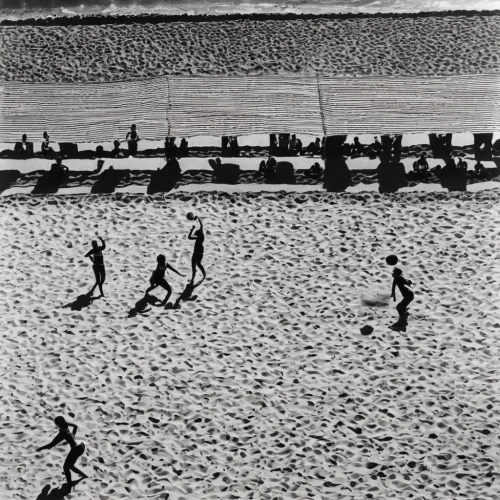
{"x": 262, "y": 387}
{"x": 399, "y": 46}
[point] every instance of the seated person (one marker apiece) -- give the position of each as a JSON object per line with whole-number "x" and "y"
{"x": 170, "y": 147}
{"x": 184, "y": 147}
{"x": 356, "y": 148}
{"x": 422, "y": 167}
{"x": 24, "y": 147}
{"x": 262, "y": 168}
{"x": 375, "y": 146}
{"x": 297, "y": 150}
{"x": 479, "y": 170}
{"x": 46, "y": 149}
{"x": 436, "y": 170}
{"x": 462, "y": 164}
{"x": 316, "y": 171}
{"x": 117, "y": 152}
{"x": 58, "y": 172}
{"x": 292, "y": 144}
{"x": 271, "y": 166}
{"x": 233, "y": 146}
{"x": 314, "y": 148}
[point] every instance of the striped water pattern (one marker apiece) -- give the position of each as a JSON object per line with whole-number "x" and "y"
{"x": 194, "y": 106}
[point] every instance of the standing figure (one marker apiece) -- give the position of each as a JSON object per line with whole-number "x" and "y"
{"x": 97, "y": 259}
{"x": 46, "y": 149}
{"x": 132, "y": 139}
{"x": 158, "y": 277}
{"x": 76, "y": 450}
{"x": 199, "y": 237}
{"x": 407, "y": 293}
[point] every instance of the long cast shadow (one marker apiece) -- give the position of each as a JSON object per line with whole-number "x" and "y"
{"x": 81, "y": 302}
{"x": 187, "y": 294}
{"x": 56, "y": 493}
{"x": 141, "y": 306}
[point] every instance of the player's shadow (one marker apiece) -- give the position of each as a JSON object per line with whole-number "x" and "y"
{"x": 81, "y": 302}
{"x": 56, "y": 493}
{"x": 186, "y": 295}
{"x": 142, "y": 305}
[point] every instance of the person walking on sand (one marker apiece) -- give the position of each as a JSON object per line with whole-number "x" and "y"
{"x": 158, "y": 277}
{"x": 95, "y": 255}
{"x": 75, "y": 452}
{"x": 199, "y": 237}
{"x": 404, "y": 287}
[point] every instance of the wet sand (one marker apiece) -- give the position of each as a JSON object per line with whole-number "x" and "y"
{"x": 264, "y": 384}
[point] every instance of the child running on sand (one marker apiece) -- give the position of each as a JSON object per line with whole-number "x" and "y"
{"x": 199, "y": 237}
{"x": 158, "y": 277}
{"x": 76, "y": 450}
{"x": 407, "y": 293}
{"x": 97, "y": 259}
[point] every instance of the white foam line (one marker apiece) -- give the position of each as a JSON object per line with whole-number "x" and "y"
{"x": 363, "y": 187}
{"x": 430, "y": 187}
{"x": 250, "y": 188}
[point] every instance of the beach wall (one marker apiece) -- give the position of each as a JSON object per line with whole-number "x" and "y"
{"x": 194, "y": 106}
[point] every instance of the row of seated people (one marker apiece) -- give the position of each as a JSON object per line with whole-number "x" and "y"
{"x": 453, "y": 165}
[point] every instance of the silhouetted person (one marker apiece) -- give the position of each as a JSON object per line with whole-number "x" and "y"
{"x": 233, "y": 146}
{"x": 184, "y": 147}
{"x": 356, "y": 147}
{"x": 262, "y": 168}
{"x": 117, "y": 151}
{"x": 462, "y": 164}
{"x": 314, "y": 148}
{"x": 158, "y": 277}
{"x": 316, "y": 171}
{"x": 421, "y": 166}
{"x": 375, "y": 147}
{"x": 76, "y": 450}
{"x": 46, "y": 149}
{"x": 58, "y": 172}
{"x": 132, "y": 138}
{"x": 479, "y": 170}
{"x": 271, "y": 166}
{"x": 405, "y": 290}
{"x": 95, "y": 255}
{"x": 297, "y": 150}
{"x": 21, "y": 147}
{"x": 199, "y": 237}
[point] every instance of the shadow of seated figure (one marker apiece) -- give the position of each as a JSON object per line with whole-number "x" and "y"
{"x": 452, "y": 177}
{"x": 108, "y": 181}
{"x": 52, "y": 180}
{"x": 164, "y": 179}
{"x": 391, "y": 173}
{"x": 284, "y": 173}
{"x": 224, "y": 172}
{"x": 7, "y": 178}
{"x": 337, "y": 176}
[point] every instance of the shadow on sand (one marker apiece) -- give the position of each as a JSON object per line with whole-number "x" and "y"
{"x": 186, "y": 295}
{"x": 81, "y": 302}
{"x": 141, "y": 306}
{"x": 56, "y": 493}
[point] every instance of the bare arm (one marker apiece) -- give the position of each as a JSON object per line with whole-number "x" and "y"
{"x": 174, "y": 270}
{"x": 103, "y": 243}
{"x": 393, "y": 294}
{"x": 190, "y": 236}
{"x": 53, "y": 443}
{"x": 89, "y": 254}
{"x": 75, "y": 428}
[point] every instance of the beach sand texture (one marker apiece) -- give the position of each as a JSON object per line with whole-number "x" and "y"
{"x": 396, "y": 46}
{"x": 263, "y": 387}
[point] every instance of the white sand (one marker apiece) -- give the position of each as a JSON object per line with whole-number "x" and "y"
{"x": 263, "y": 384}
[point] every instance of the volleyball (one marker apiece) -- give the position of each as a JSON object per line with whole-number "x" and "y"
{"x": 190, "y": 216}
{"x": 392, "y": 260}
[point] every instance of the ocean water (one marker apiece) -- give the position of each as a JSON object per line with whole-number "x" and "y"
{"x": 18, "y": 9}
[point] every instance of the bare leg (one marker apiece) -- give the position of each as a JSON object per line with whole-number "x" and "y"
{"x": 152, "y": 287}
{"x": 193, "y": 267}
{"x": 166, "y": 286}
{"x": 97, "y": 280}
{"x": 202, "y": 271}
{"x": 102, "y": 279}
{"x": 67, "y": 473}
{"x": 79, "y": 472}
